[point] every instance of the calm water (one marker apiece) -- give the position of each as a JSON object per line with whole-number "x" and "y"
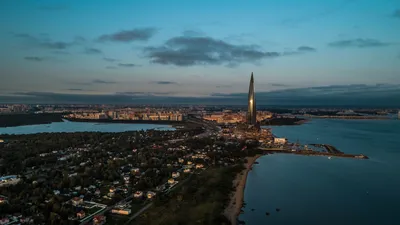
{"x": 315, "y": 190}
{"x": 81, "y": 127}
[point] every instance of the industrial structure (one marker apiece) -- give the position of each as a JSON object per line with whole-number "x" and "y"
{"x": 251, "y": 110}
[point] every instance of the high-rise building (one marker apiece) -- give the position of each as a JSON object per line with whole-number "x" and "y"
{"x": 251, "y": 108}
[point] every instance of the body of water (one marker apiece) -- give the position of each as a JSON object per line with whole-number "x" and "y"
{"x": 341, "y": 191}
{"x": 68, "y": 126}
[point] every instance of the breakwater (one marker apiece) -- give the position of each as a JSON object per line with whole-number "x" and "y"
{"x": 331, "y": 153}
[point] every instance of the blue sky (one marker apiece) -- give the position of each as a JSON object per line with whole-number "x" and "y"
{"x": 197, "y": 48}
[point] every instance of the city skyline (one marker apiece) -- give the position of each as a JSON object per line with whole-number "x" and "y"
{"x": 325, "y": 52}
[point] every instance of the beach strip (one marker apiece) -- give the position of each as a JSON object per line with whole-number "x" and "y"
{"x": 234, "y": 207}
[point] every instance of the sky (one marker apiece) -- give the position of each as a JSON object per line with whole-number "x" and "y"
{"x": 94, "y": 50}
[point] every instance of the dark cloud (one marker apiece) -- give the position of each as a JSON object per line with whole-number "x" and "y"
{"x": 190, "y": 51}
{"x": 44, "y": 42}
{"x": 111, "y": 67}
{"x": 75, "y": 89}
{"x": 164, "y": 82}
{"x": 98, "y": 81}
{"x": 55, "y": 7}
{"x": 396, "y": 14}
{"x": 92, "y": 51}
{"x": 80, "y": 83}
{"x": 34, "y": 58}
{"x": 357, "y": 95}
{"x": 358, "y": 43}
{"x": 110, "y": 59}
{"x": 139, "y": 93}
{"x": 278, "y": 85}
{"x": 306, "y": 49}
{"x": 126, "y": 64}
{"x": 223, "y": 86}
{"x": 139, "y": 34}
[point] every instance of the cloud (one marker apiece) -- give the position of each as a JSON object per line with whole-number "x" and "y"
{"x": 111, "y": 67}
{"x": 358, "y": 43}
{"x": 34, "y": 58}
{"x": 306, "y": 49}
{"x": 191, "y": 51}
{"x": 396, "y": 14}
{"x": 92, "y": 51}
{"x": 126, "y": 64}
{"x": 43, "y": 42}
{"x": 75, "y": 89}
{"x": 98, "y": 81}
{"x": 139, "y": 34}
{"x": 139, "y": 93}
{"x": 110, "y": 59}
{"x": 278, "y": 85}
{"x": 356, "y": 95}
{"x": 164, "y": 82}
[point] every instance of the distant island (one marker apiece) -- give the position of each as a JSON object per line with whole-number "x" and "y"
{"x": 283, "y": 121}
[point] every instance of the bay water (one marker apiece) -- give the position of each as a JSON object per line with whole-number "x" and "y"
{"x": 337, "y": 191}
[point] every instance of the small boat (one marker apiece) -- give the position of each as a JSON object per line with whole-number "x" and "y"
{"x": 329, "y": 157}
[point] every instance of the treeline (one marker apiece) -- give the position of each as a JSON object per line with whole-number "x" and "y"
{"x": 281, "y": 121}
{"x": 200, "y": 201}
{"x": 13, "y": 120}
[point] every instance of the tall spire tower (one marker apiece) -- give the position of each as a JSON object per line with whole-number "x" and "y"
{"x": 251, "y": 108}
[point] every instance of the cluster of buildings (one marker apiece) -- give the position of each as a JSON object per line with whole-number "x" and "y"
{"x": 129, "y": 115}
{"x": 9, "y": 180}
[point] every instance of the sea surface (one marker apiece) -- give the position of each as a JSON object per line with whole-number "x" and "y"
{"x": 313, "y": 190}
{"x": 68, "y": 126}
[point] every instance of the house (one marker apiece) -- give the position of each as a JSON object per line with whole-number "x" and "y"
{"x": 175, "y": 175}
{"x": 138, "y": 194}
{"x": 199, "y": 166}
{"x": 150, "y": 194}
{"x": 186, "y": 170}
{"x": 112, "y": 189}
{"x": 76, "y": 201}
{"x": 171, "y": 181}
{"x": 280, "y": 141}
{"x": 4, "y": 221}
{"x": 99, "y": 220}
{"x": 81, "y": 214}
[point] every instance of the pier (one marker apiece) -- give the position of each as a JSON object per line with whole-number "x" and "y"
{"x": 331, "y": 151}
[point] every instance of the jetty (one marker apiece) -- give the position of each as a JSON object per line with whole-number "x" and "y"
{"x": 330, "y": 151}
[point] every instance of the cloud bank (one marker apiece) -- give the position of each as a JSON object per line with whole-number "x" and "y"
{"x": 358, "y": 43}
{"x": 139, "y": 34}
{"x": 356, "y": 95}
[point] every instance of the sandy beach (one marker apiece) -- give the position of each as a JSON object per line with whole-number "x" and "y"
{"x": 232, "y": 211}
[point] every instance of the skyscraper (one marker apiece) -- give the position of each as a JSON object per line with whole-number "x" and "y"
{"x": 251, "y": 108}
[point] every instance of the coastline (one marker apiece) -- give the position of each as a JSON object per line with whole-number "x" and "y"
{"x": 235, "y": 205}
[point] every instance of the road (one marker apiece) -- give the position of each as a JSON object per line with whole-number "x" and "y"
{"x": 138, "y": 213}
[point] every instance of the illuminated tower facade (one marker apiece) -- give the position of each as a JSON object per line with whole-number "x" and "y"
{"x": 251, "y": 108}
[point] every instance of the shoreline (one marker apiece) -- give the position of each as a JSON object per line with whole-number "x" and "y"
{"x": 235, "y": 205}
